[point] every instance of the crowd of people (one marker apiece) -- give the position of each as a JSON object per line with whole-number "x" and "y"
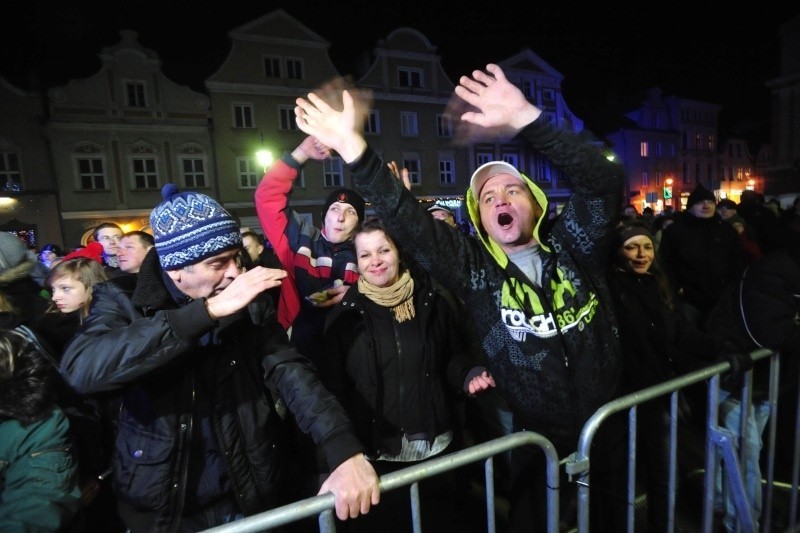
{"x": 229, "y": 371}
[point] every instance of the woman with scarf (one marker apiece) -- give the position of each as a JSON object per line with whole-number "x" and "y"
{"x": 397, "y": 364}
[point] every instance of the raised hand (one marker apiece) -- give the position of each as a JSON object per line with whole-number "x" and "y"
{"x": 399, "y": 173}
{"x": 340, "y": 130}
{"x": 499, "y": 103}
{"x": 243, "y": 290}
{"x": 311, "y": 148}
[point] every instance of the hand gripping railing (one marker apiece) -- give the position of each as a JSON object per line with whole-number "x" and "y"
{"x": 323, "y": 505}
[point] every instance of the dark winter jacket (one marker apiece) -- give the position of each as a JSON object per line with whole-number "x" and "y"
{"x": 658, "y": 343}
{"x": 553, "y": 351}
{"x": 762, "y": 310}
{"x": 395, "y": 378}
{"x": 169, "y": 361}
{"x": 701, "y": 256}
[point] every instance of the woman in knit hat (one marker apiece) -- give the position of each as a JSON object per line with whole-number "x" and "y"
{"x": 657, "y": 345}
{"x": 396, "y": 362}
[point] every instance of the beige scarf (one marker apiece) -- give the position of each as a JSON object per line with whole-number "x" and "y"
{"x": 398, "y": 297}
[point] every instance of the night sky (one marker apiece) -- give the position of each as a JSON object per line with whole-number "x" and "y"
{"x": 607, "y": 54}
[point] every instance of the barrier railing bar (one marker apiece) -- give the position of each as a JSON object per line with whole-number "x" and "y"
{"x": 319, "y": 504}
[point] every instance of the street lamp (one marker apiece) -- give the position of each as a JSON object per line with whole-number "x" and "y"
{"x": 264, "y": 158}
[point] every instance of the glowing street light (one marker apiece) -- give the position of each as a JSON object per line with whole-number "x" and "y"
{"x": 264, "y": 158}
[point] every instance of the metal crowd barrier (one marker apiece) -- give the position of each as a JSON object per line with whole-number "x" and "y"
{"x": 718, "y": 442}
{"x": 323, "y": 505}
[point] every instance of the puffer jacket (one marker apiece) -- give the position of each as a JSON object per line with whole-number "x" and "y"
{"x": 417, "y": 394}
{"x": 156, "y": 353}
{"x": 38, "y": 474}
{"x": 553, "y": 351}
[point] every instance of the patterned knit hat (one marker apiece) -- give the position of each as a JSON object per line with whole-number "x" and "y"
{"x": 345, "y": 196}
{"x": 189, "y": 227}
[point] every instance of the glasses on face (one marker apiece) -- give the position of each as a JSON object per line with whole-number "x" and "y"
{"x": 110, "y": 238}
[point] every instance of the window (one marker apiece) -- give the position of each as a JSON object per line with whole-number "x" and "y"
{"x": 645, "y": 178}
{"x": 192, "y": 165}
{"x": 542, "y": 173}
{"x": 447, "y": 173}
{"x": 243, "y": 116}
{"x": 294, "y": 69}
{"x": 698, "y": 141}
{"x": 527, "y": 88}
{"x": 373, "y": 122}
{"x": 412, "y": 164}
{"x": 287, "y": 118}
{"x": 709, "y": 172}
{"x": 657, "y": 177}
{"x": 685, "y": 170}
{"x": 444, "y": 126}
{"x": 90, "y": 173}
{"x": 644, "y": 149}
{"x": 511, "y": 159}
{"x": 548, "y": 96}
{"x": 710, "y": 142}
{"x": 408, "y": 124}
{"x": 410, "y": 77}
{"x": 194, "y": 174}
{"x": 10, "y": 175}
{"x": 135, "y": 94}
{"x": 144, "y": 173}
{"x": 659, "y": 150}
{"x": 247, "y": 172}
{"x": 672, "y": 149}
{"x": 332, "y": 170}
{"x": 272, "y": 67}
{"x": 481, "y": 158}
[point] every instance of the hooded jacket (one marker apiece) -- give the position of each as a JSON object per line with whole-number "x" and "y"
{"x": 553, "y": 351}
{"x": 168, "y": 359}
{"x": 38, "y": 467}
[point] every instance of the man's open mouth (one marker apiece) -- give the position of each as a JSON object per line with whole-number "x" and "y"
{"x": 504, "y": 219}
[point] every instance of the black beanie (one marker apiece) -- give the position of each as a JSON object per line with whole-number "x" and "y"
{"x": 632, "y": 229}
{"x": 345, "y": 196}
{"x": 699, "y": 194}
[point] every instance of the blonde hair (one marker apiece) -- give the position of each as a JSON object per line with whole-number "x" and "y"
{"x": 85, "y": 271}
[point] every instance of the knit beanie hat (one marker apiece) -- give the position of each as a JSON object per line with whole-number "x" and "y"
{"x": 189, "y": 227}
{"x": 93, "y": 250}
{"x": 12, "y": 251}
{"x": 632, "y": 229}
{"x": 699, "y": 194}
{"x": 345, "y": 196}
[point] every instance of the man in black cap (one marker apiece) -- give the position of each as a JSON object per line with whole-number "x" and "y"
{"x": 320, "y": 262}
{"x": 702, "y": 254}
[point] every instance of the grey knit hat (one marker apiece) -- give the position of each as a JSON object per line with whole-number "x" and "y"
{"x": 12, "y": 251}
{"x": 189, "y": 227}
